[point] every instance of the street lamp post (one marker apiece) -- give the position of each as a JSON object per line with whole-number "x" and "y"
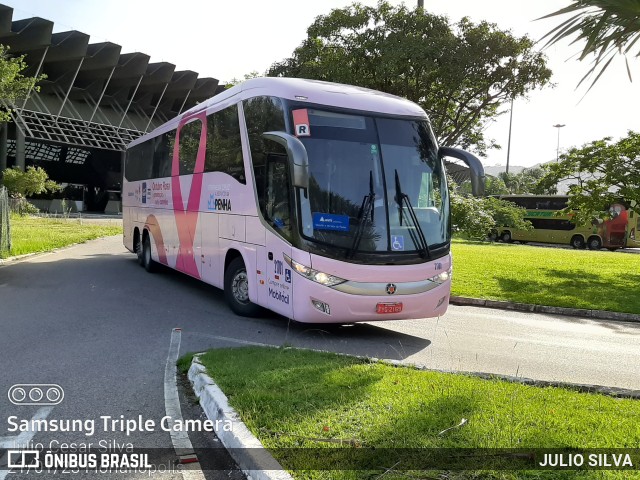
{"x": 558, "y": 126}
{"x": 509, "y": 143}
{"x": 421, "y": 3}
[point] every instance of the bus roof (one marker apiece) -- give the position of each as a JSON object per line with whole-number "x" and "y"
{"x": 312, "y": 91}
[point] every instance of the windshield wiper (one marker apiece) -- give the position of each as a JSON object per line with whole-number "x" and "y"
{"x": 366, "y": 209}
{"x": 417, "y": 235}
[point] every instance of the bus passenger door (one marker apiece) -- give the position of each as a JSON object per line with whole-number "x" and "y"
{"x": 277, "y": 213}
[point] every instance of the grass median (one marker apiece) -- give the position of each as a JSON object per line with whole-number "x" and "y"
{"x": 547, "y": 276}
{"x": 292, "y": 399}
{"x": 41, "y": 234}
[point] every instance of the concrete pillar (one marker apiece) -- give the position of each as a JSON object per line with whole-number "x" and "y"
{"x": 20, "y": 149}
{"x": 3, "y": 147}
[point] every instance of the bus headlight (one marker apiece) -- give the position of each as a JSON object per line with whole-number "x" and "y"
{"x": 441, "y": 277}
{"x": 314, "y": 275}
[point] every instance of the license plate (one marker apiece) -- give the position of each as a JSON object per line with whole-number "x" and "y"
{"x": 389, "y": 307}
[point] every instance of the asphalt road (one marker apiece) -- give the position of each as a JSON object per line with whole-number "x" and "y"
{"x": 91, "y": 320}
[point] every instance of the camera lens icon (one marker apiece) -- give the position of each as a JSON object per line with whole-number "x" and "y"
{"x": 36, "y": 394}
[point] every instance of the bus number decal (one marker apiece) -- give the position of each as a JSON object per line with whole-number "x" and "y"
{"x": 278, "y": 267}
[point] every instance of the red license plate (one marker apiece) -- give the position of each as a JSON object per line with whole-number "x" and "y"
{"x": 389, "y": 307}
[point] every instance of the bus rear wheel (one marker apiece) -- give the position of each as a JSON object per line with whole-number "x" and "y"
{"x": 577, "y": 242}
{"x": 139, "y": 250}
{"x": 595, "y": 243}
{"x": 236, "y": 289}
{"x": 148, "y": 262}
{"x": 506, "y": 237}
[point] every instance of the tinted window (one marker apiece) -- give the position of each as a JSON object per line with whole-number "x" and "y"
{"x": 163, "y": 154}
{"x": 539, "y": 203}
{"x": 224, "y": 149}
{"x": 278, "y": 205}
{"x": 263, "y": 114}
{"x": 189, "y": 143}
{"x": 151, "y": 159}
{"x": 138, "y": 162}
{"x": 551, "y": 224}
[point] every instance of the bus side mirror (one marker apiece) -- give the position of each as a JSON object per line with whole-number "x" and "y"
{"x": 297, "y": 155}
{"x": 475, "y": 167}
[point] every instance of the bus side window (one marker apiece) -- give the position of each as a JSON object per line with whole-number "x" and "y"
{"x": 224, "y": 148}
{"x": 137, "y": 164}
{"x": 189, "y": 144}
{"x": 278, "y": 208}
{"x": 163, "y": 154}
{"x": 263, "y": 114}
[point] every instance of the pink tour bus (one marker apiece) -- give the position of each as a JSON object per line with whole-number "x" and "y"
{"x": 319, "y": 201}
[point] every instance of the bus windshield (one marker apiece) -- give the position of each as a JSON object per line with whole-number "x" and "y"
{"x": 375, "y": 184}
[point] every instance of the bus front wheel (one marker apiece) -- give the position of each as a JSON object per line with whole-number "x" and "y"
{"x": 506, "y": 237}
{"x": 577, "y": 242}
{"x": 595, "y": 243}
{"x": 236, "y": 289}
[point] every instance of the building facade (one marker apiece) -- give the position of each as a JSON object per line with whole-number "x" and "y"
{"x": 94, "y": 101}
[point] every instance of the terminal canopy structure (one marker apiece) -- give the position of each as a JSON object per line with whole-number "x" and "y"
{"x": 94, "y": 101}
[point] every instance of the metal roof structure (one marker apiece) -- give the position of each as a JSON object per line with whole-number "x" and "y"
{"x": 94, "y": 96}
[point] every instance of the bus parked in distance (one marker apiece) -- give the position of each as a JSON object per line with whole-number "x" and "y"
{"x": 633, "y": 235}
{"x": 321, "y": 202}
{"x": 618, "y": 228}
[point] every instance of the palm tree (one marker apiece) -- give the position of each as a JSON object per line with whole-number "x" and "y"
{"x": 609, "y": 27}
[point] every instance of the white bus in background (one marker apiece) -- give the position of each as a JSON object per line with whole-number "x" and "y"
{"x": 321, "y": 202}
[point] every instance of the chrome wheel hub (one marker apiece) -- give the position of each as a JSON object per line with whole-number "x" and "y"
{"x": 240, "y": 287}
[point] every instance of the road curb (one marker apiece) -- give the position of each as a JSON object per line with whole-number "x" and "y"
{"x": 525, "y": 307}
{"x": 20, "y": 258}
{"x": 617, "y": 392}
{"x": 28, "y": 256}
{"x": 239, "y": 441}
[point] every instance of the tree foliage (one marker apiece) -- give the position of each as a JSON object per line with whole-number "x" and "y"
{"x": 476, "y": 217}
{"x": 13, "y": 85}
{"x": 606, "y": 27}
{"x": 599, "y": 174}
{"x": 527, "y": 182}
{"x": 32, "y": 181}
{"x": 460, "y": 73}
{"x": 247, "y": 76}
{"x": 495, "y": 186}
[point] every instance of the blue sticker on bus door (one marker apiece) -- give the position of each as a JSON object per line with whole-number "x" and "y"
{"x": 397, "y": 242}
{"x": 327, "y": 221}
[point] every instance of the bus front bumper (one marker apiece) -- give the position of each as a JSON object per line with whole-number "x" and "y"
{"x": 329, "y": 305}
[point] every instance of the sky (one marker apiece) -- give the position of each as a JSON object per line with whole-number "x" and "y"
{"x": 227, "y": 40}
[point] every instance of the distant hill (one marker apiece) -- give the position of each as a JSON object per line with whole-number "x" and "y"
{"x": 496, "y": 169}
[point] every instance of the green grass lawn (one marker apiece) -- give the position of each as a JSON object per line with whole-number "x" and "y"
{"x": 38, "y": 234}
{"x": 547, "y": 276}
{"x": 293, "y": 398}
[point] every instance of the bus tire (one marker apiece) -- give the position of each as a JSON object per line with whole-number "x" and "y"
{"x": 148, "y": 262}
{"x": 594, "y": 243}
{"x": 236, "y": 289}
{"x": 139, "y": 249}
{"x": 506, "y": 237}
{"x": 577, "y": 242}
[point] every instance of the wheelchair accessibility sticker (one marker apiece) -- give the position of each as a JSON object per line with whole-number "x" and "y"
{"x": 397, "y": 242}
